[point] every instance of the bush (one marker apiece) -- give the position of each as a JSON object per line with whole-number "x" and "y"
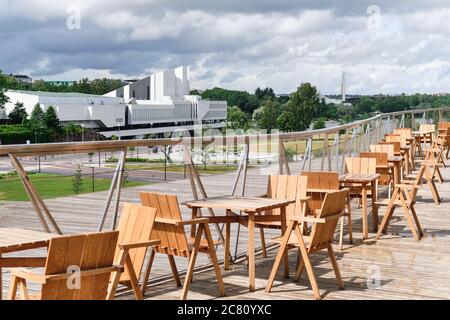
{"x": 15, "y": 134}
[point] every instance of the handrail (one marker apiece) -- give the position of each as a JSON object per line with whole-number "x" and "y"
{"x": 117, "y": 145}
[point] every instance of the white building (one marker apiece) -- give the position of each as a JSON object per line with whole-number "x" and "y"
{"x": 156, "y": 104}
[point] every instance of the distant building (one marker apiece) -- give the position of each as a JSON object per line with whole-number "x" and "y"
{"x": 59, "y": 83}
{"x": 23, "y": 78}
{"x": 153, "y": 105}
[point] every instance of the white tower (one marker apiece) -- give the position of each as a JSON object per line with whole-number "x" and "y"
{"x": 344, "y": 85}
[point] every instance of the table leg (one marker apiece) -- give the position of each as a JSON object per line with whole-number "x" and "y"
{"x": 397, "y": 174}
{"x": 283, "y": 230}
{"x": 407, "y": 162}
{"x": 226, "y": 253}
{"x": 374, "y": 206}
{"x": 364, "y": 212}
{"x": 193, "y": 226}
{"x": 251, "y": 251}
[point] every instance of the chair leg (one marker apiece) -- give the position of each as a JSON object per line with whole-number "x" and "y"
{"x": 174, "y": 269}
{"x": 416, "y": 220}
{"x": 133, "y": 278}
{"x": 335, "y": 267}
{"x": 341, "y": 233}
{"x": 192, "y": 258}
{"x": 115, "y": 278}
{"x": 147, "y": 272}
{"x": 13, "y": 288}
{"x": 434, "y": 191}
{"x": 308, "y": 265}
{"x": 215, "y": 262}
{"x": 263, "y": 242}
{"x": 299, "y": 271}
{"x": 23, "y": 290}
{"x": 350, "y": 223}
{"x": 280, "y": 254}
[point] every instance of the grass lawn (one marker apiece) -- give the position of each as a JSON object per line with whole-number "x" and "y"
{"x": 210, "y": 169}
{"x": 51, "y": 186}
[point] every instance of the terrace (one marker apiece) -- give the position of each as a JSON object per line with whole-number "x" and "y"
{"x": 395, "y": 266}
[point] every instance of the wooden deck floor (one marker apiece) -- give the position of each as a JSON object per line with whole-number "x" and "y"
{"x": 405, "y": 268}
{"x": 395, "y": 267}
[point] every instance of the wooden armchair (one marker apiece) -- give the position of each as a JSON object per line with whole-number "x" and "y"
{"x": 77, "y": 268}
{"x": 359, "y": 165}
{"x": 321, "y": 237}
{"x": 135, "y": 229}
{"x": 284, "y": 187}
{"x": 169, "y": 228}
{"x": 382, "y": 167}
{"x": 425, "y": 175}
{"x": 319, "y": 184}
{"x": 404, "y": 195}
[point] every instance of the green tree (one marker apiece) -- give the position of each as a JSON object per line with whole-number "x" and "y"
{"x": 266, "y": 93}
{"x": 365, "y": 105}
{"x": 51, "y": 119}
{"x": 77, "y": 180}
{"x": 301, "y": 108}
{"x": 18, "y": 114}
{"x": 319, "y": 124}
{"x": 270, "y": 111}
{"x": 37, "y": 118}
{"x": 3, "y": 88}
{"x": 237, "y": 119}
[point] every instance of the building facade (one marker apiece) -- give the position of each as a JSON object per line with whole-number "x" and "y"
{"x": 156, "y": 104}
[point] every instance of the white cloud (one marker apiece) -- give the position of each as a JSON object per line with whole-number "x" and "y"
{"x": 236, "y": 44}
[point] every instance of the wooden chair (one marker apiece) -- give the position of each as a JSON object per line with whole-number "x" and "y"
{"x": 360, "y": 166}
{"x": 382, "y": 167}
{"x": 426, "y": 133}
{"x": 404, "y": 195}
{"x": 383, "y": 148}
{"x": 319, "y": 184}
{"x": 135, "y": 229}
{"x": 321, "y": 237}
{"x": 284, "y": 187}
{"x": 407, "y": 137}
{"x": 444, "y": 136}
{"x": 425, "y": 175}
{"x": 90, "y": 256}
{"x": 169, "y": 228}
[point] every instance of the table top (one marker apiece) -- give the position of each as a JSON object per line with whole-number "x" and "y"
{"x": 313, "y": 190}
{"x": 359, "y": 177}
{"x": 245, "y": 204}
{"x": 12, "y": 240}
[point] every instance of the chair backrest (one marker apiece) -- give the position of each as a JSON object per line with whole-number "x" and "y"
{"x": 320, "y": 180}
{"x": 381, "y": 157}
{"x": 427, "y": 128}
{"x": 395, "y": 138}
{"x": 443, "y": 125}
{"x": 172, "y": 236}
{"x": 383, "y": 148}
{"x": 136, "y": 225}
{"x": 396, "y": 144}
{"x": 284, "y": 187}
{"x": 82, "y": 252}
{"x": 382, "y": 165}
{"x": 322, "y": 233}
{"x": 405, "y": 133}
{"x": 360, "y": 165}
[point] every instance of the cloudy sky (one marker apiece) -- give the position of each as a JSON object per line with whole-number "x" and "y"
{"x": 385, "y": 46}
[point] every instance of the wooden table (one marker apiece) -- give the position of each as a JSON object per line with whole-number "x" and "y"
{"x": 14, "y": 240}
{"x": 364, "y": 180}
{"x": 251, "y": 207}
{"x": 397, "y": 162}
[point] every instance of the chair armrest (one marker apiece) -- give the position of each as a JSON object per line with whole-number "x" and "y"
{"x": 319, "y": 220}
{"x": 135, "y": 245}
{"x": 304, "y": 199}
{"x": 182, "y": 223}
{"x": 408, "y": 181}
{"x": 193, "y": 221}
{"x": 28, "y": 275}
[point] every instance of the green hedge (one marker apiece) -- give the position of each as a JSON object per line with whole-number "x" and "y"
{"x": 15, "y": 134}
